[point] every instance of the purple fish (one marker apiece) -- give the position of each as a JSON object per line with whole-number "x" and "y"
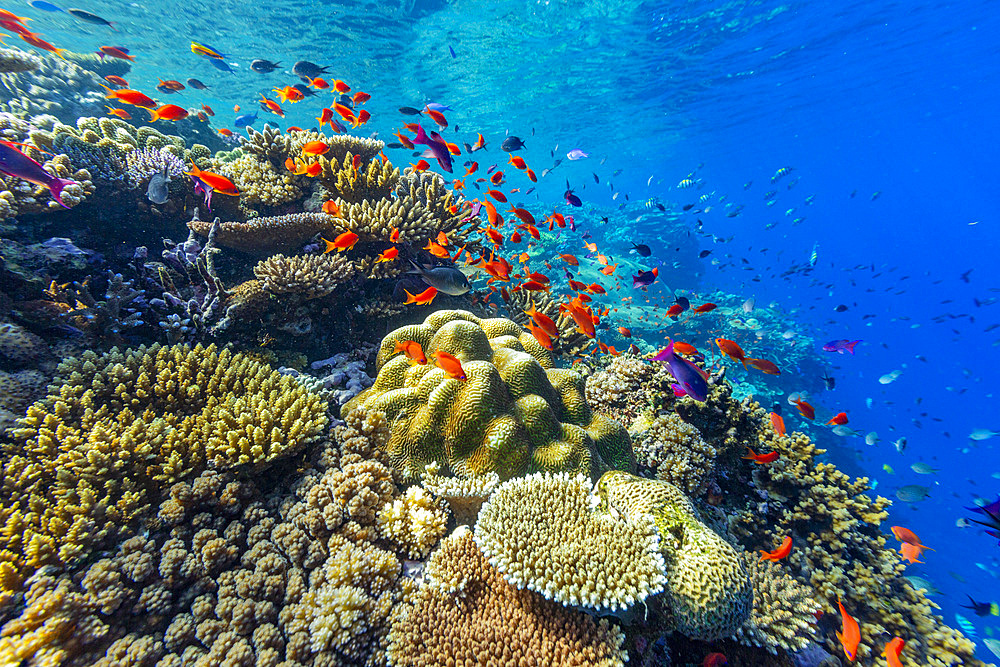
{"x": 841, "y": 346}
{"x": 577, "y": 154}
{"x": 201, "y": 188}
{"x": 474, "y": 213}
{"x": 992, "y": 514}
{"x": 437, "y": 145}
{"x": 644, "y": 279}
{"x": 572, "y": 199}
{"x": 15, "y": 163}
{"x": 691, "y": 380}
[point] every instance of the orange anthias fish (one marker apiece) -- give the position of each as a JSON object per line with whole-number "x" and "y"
{"x": 121, "y": 113}
{"x": 167, "y": 112}
{"x": 315, "y": 148}
{"x": 480, "y": 143}
{"x": 170, "y": 84}
{"x": 35, "y": 40}
{"x": 331, "y": 207}
{"x": 777, "y": 422}
{"x": 850, "y": 636}
{"x": 289, "y": 94}
{"x": 892, "y": 650}
{"x": 360, "y": 97}
{"x": 685, "y": 348}
{"x": 343, "y": 242}
{"x": 625, "y": 332}
{"x": 906, "y": 535}
{"x": 543, "y": 321}
{"x": 540, "y": 335}
{"x": 714, "y": 660}
{"x": 387, "y": 255}
{"x": 129, "y": 96}
{"x": 838, "y": 419}
{"x": 761, "y": 459}
{"x": 117, "y": 80}
{"x": 449, "y": 364}
{"x": 318, "y": 83}
{"x": 911, "y": 552}
{"x": 115, "y": 52}
{"x": 340, "y": 86}
{"x": 325, "y": 117}
{"x": 218, "y": 183}
{"x": 732, "y": 350}
{"x": 704, "y": 308}
{"x": 422, "y": 299}
{"x": 806, "y": 410}
{"x": 272, "y": 106}
{"x": 226, "y": 132}
{"x": 412, "y": 350}
{"x": 764, "y": 366}
{"x": 570, "y": 259}
{"x": 781, "y": 552}
{"x": 517, "y": 161}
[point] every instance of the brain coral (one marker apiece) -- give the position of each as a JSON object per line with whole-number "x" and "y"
{"x": 89, "y": 459}
{"x": 543, "y": 533}
{"x": 708, "y": 590}
{"x": 514, "y": 413}
{"x": 468, "y": 615}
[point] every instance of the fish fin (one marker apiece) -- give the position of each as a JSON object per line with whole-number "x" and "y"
{"x": 678, "y": 390}
{"x": 56, "y": 187}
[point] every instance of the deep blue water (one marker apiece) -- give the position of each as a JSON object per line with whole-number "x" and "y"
{"x": 899, "y": 98}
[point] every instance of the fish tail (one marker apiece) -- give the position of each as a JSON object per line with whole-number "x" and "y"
{"x": 153, "y": 114}
{"x": 56, "y": 186}
{"x": 850, "y": 346}
{"x": 409, "y": 298}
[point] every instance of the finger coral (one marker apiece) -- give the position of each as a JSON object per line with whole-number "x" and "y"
{"x": 673, "y": 450}
{"x": 414, "y": 522}
{"x": 309, "y": 276}
{"x": 90, "y": 457}
{"x": 513, "y": 414}
{"x": 543, "y": 534}
{"x": 784, "y": 613}
{"x": 468, "y": 614}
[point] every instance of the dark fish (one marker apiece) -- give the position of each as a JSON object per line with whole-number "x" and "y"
{"x": 658, "y": 205}
{"x": 264, "y": 66}
{"x": 409, "y": 111}
{"x": 572, "y": 199}
{"x": 344, "y": 99}
{"x": 688, "y": 207}
{"x": 306, "y": 92}
{"x": 306, "y": 68}
{"x": 394, "y": 144}
{"x": 642, "y": 249}
{"x": 196, "y": 84}
{"x": 452, "y": 51}
{"x": 245, "y": 120}
{"x": 87, "y": 17}
{"x": 644, "y": 278}
{"x": 683, "y": 302}
{"x": 511, "y": 144}
{"x": 447, "y": 279}
{"x": 829, "y": 381}
{"x": 979, "y": 608}
{"x": 704, "y": 253}
{"x": 159, "y": 186}
{"x": 841, "y": 308}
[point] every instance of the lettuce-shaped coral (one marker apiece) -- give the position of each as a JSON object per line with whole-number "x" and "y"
{"x": 513, "y": 414}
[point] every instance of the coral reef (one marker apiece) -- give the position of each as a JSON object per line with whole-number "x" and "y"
{"x": 465, "y": 497}
{"x": 567, "y": 551}
{"x": 68, "y": 87}
{"x": 307, "y": 276}
{"x": 414, "y": 523}
{"x": 467, "y": 613}
{"x": 783, "y": 609}
{"x": 263, "y": 235}
{"x": 514, "y": 413}
{"x": 673, "y": 451}
{"x": 13, "y": 61}
{"x": 619, "y": 390}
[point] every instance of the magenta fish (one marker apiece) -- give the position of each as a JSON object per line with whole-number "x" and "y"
{"x": 841, "y": 346}
{"x": 572, "y": 199}
{"x": 15, "y": 163}
{"x": 437, "y": 145}
{"x": 992, "y": 520}
{"x": 691, "y": 380}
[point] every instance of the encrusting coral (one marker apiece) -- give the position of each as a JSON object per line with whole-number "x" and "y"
{"x": 91, "y": 457}
{"x": 466, "y": 613}
{"x": 543, "y": 534}
{"x": 513, "y": 414}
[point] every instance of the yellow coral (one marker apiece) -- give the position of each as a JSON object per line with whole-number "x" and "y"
{"x": 415, "y": 522}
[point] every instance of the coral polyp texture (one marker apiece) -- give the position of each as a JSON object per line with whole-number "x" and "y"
{"x": 89, "y": 459}
{"x": 467, "y": 614}
{"x": 514, "y": 413}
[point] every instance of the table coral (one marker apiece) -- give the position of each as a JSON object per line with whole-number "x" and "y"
{"x": 92, "y": 456}
{"x": 543, "y": 534}
{"x": 468, "y": 614}
{"x": 264, "y": 235}
{"x": 514, "y": 413}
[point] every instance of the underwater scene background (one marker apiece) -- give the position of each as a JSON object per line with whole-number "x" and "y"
{"x": 490, "y": 398}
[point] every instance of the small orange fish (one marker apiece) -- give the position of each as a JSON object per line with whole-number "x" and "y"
{"x": 449, "y": 364}
{"x": 226, "y": 132}
{"x": 343, "y": 242}
{"x": 540, "y": 335}
{"x": 761, "y": 459}
{"x": 318, "y": 83}
{"x": 360, "y": 97}
{"x": 330, "y": 207}
{"x": 170, "y": 84}
{"x": 543, "y": 321}
{"x": 523, "y": 215}
{"x": 494, "y": 235}
{"x": 838, "y": 419}
{"x": 387, "y": 255}
{"x": 609, "y": 270}
{"x": 217, "y": 182}
{"x": 497, "y": 178}
{"x": 363, "y": 117}
{"x": 570, "y": 259}
{"x": 517, "y": 161}
{"x": 314, "y": 169}
{"x": 714, "y": 660}
{"x": 480, "y": 143}
{"x": 115, "y": 52}
{"x": 806, "y": 410}
{"x": 892, "y": 650}
{"x": 315, "y": 148}
{"x": 121, "y": 113}
{"x": 437, "y": 117}
{"x": 781, "y": 552}
{"x": 704, "y": 308}
{"x": 422, "y": 299}
{"x": 207, "y": 109}
{"x": 906, "y": 535}
{"x": 499, "y": 196}
{"x": 394, "y": 235}
{"x": 765, "y": 366}
{"x": 289, "y": 94}
{"x": 167, "y": 112}
{"x": 625, "y": 332}
{"x": 422, "y": 165}
{"x": 11, "y": 16}
{"x": 117, "y": 80}
{"x": 532, "y": 177}
{"x": 129, "y": 96}
{"x": 776, "y": 420}
{"x": 685, "y": 348}
{"x": 272, "y": 106}
{"x": 325, "y": 117}
{"x": 911, "y": 552}
{"x": 732, "y": 350}
{"x": 412, "y": 350}
{"x": 341, "y": 87}
{"x": 437, "y": 250}
{"x": 850, "y": 637}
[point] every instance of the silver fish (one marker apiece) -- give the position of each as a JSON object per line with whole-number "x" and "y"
{"x": 900, "y": 445}
{"x": 919, "y": 583}
{"x": 889, "y": 378}
{"x": 922, "y": 468}
{"x": 913, "y": 493}
{"x": 982, "y": 434}
{"x": 749, "y": 304}
{"x": 159, "y": 188}
{"x": 871, "y": 438}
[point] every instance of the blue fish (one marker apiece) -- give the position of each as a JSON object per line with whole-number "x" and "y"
{"x": 221, "y": 65}
{"x": 452, "y": 51}
{"x": 691, "y": 380}
{"x": 45, "y": 6}
{"x": 245, "y": 120}
{"x": 440, "y": 108}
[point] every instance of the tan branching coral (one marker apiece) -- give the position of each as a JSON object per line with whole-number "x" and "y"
{"x": 543, "y": 534}
{"x": 262, "y": 183}
{"x": 262, "y": 235}
{"x": 269, "y": 144}
{"x": 674, "y": 450}
{"x": 309, "y": 276}
{"x": 414, "y": 522}
{"x": 783, "y": 615}
{"x": 339, "y": 145}
{"x": 468, "y": 614}
{"x": 465, "y": 497}
{"x": 89, "y": 458}
{"x": 372, "y": 180}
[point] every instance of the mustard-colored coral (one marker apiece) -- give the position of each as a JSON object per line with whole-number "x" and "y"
{"x": 708, "y": 589}
{"x": 90, "y": 458}
{"x": 513, "y": 414}
{"x": 783, "y": 615}
{"x": 543, "y": 533}
{"x": 466, "y": 614}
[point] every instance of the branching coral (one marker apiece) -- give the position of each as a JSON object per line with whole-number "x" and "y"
{"x": 543, "y": 534}
{"x": 16, "y": 60}
{"x": 309, "y": 276}
{"x": 784, "y": 612}
{"x": 468, "y": 614}
{"x": 673, "y": 450}
{"x": 619, "y": 390}
{"x": 414, "y": 522}
{"x": 513, "y": 413}
{"x": 92, "y": 456}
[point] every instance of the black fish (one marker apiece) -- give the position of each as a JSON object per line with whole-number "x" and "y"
{"x": 641, "y": 249}
{"x": 90, "y": 18}
{"x": 604, "y": 219}
{"x": 683, "y": 302}
{"x": 704, "y": 253}
{"x": 394, "y": 144}
{"x": 658, "y": 205}
{"x": 980, "y": 608}
{"x": 511, "y": 144}
{"x": 305, "y": 90}
{"x": 306, "y": 68}
{"x": 829, "y": 381}
{"x": 409, "y": 111}
{"x": 841, "y": 308}
{"x": 196, "y": 84}
{"x": 264, "y": 66}
{"x": 688, "y": 207}
{"x": 572, "y": 199}
{"x": 596, "y": 179}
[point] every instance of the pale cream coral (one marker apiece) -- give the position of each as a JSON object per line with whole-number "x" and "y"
{"x": 673, "y": 449}
{"x": 783, "y": 615}
{"x": 465, "y": 497}
{"x": 414, "y": 522}
{"x": 543, "y": 533}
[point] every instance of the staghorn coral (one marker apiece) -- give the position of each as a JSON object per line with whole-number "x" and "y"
{"x": 262, "y": 183}
{"x": 143, "y": 163}
{"x": 269, "y": 144}
{"x": 341, "y": 180}
{"x": 414, "y": 523}
{"x": 708, "y": 590}
{"x": 264, "y": 235}
{"x": 91, "y": 457}
{"x": 673, "y": 450}
{"x": 339, "y": 145}
{"x": 468, "y": 614}
{"x": 567, "y": 551}
{"x": 514, "y": 413}
{"x": 783, "y": 615}
{"x": 308, "y": 276}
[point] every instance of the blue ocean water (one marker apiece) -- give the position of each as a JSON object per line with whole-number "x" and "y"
{"x": 884, "y": 111}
